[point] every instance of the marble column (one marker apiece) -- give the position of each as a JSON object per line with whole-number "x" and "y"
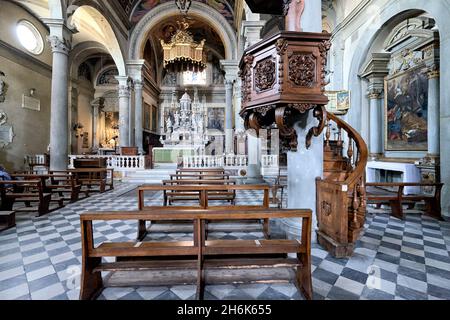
{"x": 231, "y": 69}
{"x": 229, "y": 136}
{"x": 138, "y": 129}
{"x": 376, "y": 123}
{"x": 59, "y": 115}
{"x": 95, "y": 114}
{"x": 305, "y": 165}
{"x": 124, "y": 111}
{"x": 433, "y": 111}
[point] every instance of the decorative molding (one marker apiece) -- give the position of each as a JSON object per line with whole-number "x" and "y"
{"x": 59, "y": 46}
{"x": 433, "y": 71}
{"x": 302, "y": 69}
{"x": 321, "y": 114}
{"x": 265, "y": 74}
{"x": 246, "y": 78}
{"x": 374, "y": 93}
{"x": 301, "y": 107}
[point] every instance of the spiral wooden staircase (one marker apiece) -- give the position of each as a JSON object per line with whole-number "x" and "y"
{"x": 341, "y": 195}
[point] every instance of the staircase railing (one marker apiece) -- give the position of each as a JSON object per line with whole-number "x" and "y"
{"x": 341, "y": 205}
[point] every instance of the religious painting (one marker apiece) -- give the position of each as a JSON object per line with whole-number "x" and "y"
{"x": 147, "y": 117}
{"x": 338, "y": 102}
{"x": 406, "y": 111}
{"x": 343, "y": 101}
{"x": 216, "y": 119}
{"x": 154, "y": 119}
{"x": 222, "y": 6}
{"x": 85, "y": 140}
{"x": 111, "y": 128}
{"x": 108, "y": 77}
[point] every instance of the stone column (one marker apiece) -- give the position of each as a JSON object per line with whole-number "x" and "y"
{"x": 231, "y": 72}
{"x": 376, "y": 123}
{"x": 229, "y": 117}
{"x": 433, "y": 112}
{"x": 124, "y": 111}
{"x": 305, "y": 165}
{"x": 95, "y": 113}
{"x": 59, "y": 115}
{"x": 138, "y": 129}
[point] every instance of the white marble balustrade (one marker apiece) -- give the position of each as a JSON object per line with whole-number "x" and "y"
{"x": 118, "y": 163}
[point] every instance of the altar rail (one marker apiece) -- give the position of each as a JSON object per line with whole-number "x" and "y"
{"x": 268, "y": 162}
{"x": 118, "y": 163}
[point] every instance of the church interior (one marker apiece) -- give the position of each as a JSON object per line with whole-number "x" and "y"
{"x": 224, "y": 150}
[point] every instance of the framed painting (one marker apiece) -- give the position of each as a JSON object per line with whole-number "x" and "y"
{"x": 147, "y": 117}
{"x": 343, "y": 101}
{"x": 406, "y": 111}
{"x": 154, "y": 127}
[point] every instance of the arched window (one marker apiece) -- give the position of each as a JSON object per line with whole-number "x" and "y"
{"x": 29, "y": 37}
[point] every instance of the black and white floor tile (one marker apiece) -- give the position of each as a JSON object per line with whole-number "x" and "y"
{"x": 40, "y": 259}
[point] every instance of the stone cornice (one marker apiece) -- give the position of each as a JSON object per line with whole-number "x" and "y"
{"x": 11, "y": 53}
{"x": 355, "y": 12}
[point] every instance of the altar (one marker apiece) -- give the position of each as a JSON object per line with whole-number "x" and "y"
{"x": 380, "y": 171}
{"x": 185, "y": 130}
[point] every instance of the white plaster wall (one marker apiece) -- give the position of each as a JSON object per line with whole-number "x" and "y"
{"x": 30, "y": 127}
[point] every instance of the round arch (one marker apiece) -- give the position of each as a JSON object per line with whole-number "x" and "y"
{"x": 107, "y": 37}
{"x": 198, "y": 10}
{"x": 391, "y": 12}
{"x": 83, "y": 51}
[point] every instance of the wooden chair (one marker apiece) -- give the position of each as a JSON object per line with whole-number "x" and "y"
{"x": 199, "y": 253}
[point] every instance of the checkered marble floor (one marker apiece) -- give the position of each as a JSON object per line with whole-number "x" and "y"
{"x": 40, "y": 259}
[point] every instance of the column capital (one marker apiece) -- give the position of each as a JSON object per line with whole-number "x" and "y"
{"x": 135, "y": 69}
{"x": 374, "y": 93}
{"x": 59, "y": 45}
{"x": 123, "y": 87}
{"x": 138, "y": 84}
{"x": 231, "y": 69}
{"x": 434, "y": 71}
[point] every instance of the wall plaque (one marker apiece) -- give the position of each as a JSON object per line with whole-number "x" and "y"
{"x": 31, "y": 103}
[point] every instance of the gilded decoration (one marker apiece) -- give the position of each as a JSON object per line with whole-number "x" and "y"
{"x": 182, "y": 53}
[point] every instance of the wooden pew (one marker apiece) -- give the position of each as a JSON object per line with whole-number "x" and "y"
{"x": 212, "y": 176}
{"x": 201, "y": 171}
{"x": 24, "y": 191}
{"x": 189, "y": 195}
{"x": 92, "y": 177}
{"x": 199, "y": 253}
{"x": 398, "y": 198}
{"x": 7, "y": 220}
{"x": 56, "y": 184}
{"x": 203, "y": 202}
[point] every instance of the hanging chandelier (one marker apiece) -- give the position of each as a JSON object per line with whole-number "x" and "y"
{"x": 182, "y": 53}
{"x": 183, "y": 5}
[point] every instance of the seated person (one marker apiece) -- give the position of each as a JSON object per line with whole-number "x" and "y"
{"x": 4, "y": 175}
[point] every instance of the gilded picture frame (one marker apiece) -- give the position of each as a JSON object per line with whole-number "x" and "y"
{"x": 406, "y": 110}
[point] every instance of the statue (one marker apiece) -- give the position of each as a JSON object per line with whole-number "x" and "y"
{"x": 293, "y": 10}
{"x": 177, "y": 120}
{"x": 169, "y": 124}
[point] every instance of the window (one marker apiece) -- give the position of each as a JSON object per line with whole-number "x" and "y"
{"x": 194, "y": 78}
{"x": 29, "y": 37}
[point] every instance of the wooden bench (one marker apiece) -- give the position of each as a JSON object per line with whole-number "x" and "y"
{"x": 31, "y": 191}
{"x": 56, "y": 184}
{"x": 89, "y": 178}
{"x": 397, "y": 199}
{"x": 203, "y": 201}
{"x": 171, "y": 196}
{"x": 181, "y": 176}
{"x": 201, "y": 171}
{"x": 7, "y": 220}
{"x": 199, "y": 254}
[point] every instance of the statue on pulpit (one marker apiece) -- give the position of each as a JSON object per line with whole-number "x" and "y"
{"x": 293, "y": 10}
